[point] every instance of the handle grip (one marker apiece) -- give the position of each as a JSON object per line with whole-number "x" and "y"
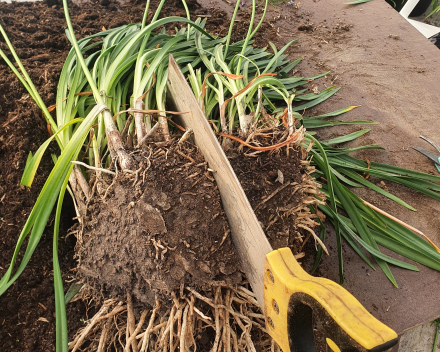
{"x": 291, "y": 296}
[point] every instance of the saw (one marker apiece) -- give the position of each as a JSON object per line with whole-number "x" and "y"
{"x": 288, "y": 296}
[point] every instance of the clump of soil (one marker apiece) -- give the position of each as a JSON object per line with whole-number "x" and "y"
{"x": 280, "y": 190}
{"x": 159, "y": 235}
{"x": 159, "y": 229}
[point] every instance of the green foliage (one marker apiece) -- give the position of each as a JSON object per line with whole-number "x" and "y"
{"x": 435, "y": 8}
{"x": 234, "y": 83}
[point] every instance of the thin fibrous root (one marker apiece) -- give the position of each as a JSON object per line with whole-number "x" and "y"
{"x": 93, "y": 168}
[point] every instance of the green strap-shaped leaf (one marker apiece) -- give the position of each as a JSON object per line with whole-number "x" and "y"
{"x": 315, "y": 123}
{"x": 33, "y": 162}
{"x": 361, "y": 227}
{"x": 392, "y": 169}
{"x": 406, "y": 251}
{"x": 334, "y": 113}
{"x": 375, "y": 252}
{"x": 355, "y": 176}
{"x": 322, "y": 97}
{"x": 39, "y": 215}
{"x": 325, "y": 167}
{"x": 348, "y": 137}
{"x": 322, "y": 238}
{"x": 351, "y": 242}
{"x": 60, "y": 306}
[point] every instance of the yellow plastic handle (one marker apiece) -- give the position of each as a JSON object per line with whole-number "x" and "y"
{"x": 290, "y": 297}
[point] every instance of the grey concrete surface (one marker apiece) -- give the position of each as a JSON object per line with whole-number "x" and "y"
{"x": 418, "y": 339}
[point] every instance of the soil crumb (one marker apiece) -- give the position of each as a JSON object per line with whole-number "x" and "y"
{"x": 158, "y": 229}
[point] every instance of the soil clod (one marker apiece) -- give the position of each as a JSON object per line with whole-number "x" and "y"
{"x": 157, "y": 232}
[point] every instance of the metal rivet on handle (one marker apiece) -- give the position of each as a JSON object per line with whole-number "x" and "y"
{"x": 270, "y": 322}
{"x": 270, "y": 275}
{"x": 275, "y": 306}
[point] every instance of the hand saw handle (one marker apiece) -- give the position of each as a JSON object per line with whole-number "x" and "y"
{"x": 291, "y": 296}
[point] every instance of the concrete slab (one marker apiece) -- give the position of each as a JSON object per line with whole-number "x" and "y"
{"x": 419, "y": 339}
{"x": 384, "y": 64}
{"x": 394, "y": 80}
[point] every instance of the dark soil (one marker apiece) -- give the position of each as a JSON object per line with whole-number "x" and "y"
{"x": 218, "y": 23}
{"x": 159, "y": 230}
{"x": 260, "y": 177}
{"x": 27, "y": 308}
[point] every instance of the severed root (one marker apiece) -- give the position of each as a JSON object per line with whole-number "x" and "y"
{"x": 81, "y": 336}
{"x": 227, "y": 315}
